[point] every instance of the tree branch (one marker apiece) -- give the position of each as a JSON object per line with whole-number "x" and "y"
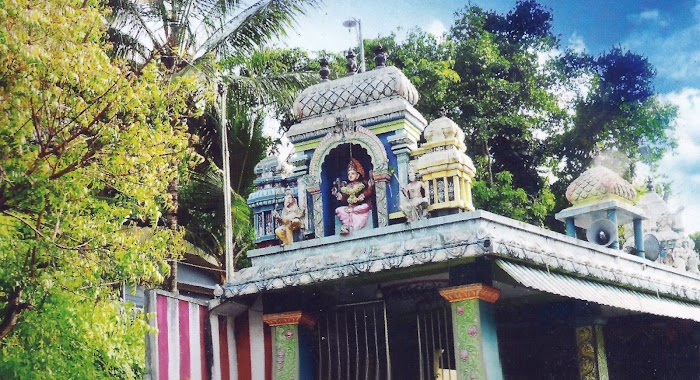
{"x": 39, "y": 233}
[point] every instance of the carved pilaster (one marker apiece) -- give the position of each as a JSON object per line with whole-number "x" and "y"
{"x": 591, "y": 353}
{"x": 382, "y": 205}
{"x": 402, "y": 145}
{"x": 291, "y": 344}
{"x": 474, "y": 330}
{"x": 317, "y": 207}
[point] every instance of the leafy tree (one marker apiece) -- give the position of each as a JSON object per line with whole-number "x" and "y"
{"x": 620, "y": 112}
{"x": 185, "y": 34}
{"x": 503, "y": 199}
{"x": 502, "y": 98}
{"x": 426, "y": 62}
{"x": 264, "y": 82}
{"x": 488, "y": 75}
{"x": 209, "y": 39}
{"x": 87, "y": 151}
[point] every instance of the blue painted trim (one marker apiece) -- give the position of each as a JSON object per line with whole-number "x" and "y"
{"x": 638, "y": 238}
{"x": 570, "y": 227}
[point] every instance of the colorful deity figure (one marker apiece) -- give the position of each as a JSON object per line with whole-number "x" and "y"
{"x": 414, "y": 200}
{"x": 290, "y": 219}
{"x": 357, "y": 192}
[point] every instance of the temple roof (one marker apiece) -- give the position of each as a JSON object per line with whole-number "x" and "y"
{"x": 354, "y": 90}
{"x": 597, "y": 183}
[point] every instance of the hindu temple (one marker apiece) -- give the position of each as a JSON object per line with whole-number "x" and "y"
{"x": 372, "y": 262}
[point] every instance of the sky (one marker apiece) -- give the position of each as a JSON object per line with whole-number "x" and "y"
{"x": 666, "y": 32}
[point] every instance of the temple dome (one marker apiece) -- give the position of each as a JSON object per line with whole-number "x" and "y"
{"x": 597, "y": 183}
{"x": 443, "y": 130}
{"x": 354, "y": 90}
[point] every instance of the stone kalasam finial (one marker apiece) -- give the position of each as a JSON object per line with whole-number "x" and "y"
{"x": 324, "y": 72}
{"x": 379, "y": 56}
{"x": 352, "y": 64}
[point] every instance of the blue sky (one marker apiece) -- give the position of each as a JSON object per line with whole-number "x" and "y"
{"x": 666, "y": 32}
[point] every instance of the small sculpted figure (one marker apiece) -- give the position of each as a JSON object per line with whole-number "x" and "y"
{"x": 414, "y": 201}
{"x": 290, "y": 219}
{"x": 356, "y": 192}
{"x": 684, "y": 256}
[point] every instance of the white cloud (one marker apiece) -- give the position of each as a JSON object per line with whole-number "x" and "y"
{"x": 576, "y": 43}
{"x": 436, "y": 28}
{"x": 683, "y": 168}
{"x": 675, "y": 55}
{"x": 652, "y": 16}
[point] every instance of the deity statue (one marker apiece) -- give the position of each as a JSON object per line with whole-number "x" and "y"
{"x": 290, "y": 220}
{"x": 684, "y": 256}
{"x": 356, "y": 192}
{"x": 414, "y": 200}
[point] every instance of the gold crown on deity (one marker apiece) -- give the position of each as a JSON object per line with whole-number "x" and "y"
{"x": 356, "y": 166}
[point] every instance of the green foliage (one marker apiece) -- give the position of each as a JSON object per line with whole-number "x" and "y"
{"x": 488, "y": 75}
{"x": 695, "y": 236}
{"x": 186, "y": 34}
{"x": 620, "y": 112}
{"x": 503, "y": 199}
{"x": 427, "y": 63}
{"x": 203, "y": 215}
{"x": 76, "y": 337}
{"x": 87, "y": 151}
{"x": 219, "y": 41}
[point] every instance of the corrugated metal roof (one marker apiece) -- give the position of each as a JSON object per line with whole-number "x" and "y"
{"x": 604, "y": 294}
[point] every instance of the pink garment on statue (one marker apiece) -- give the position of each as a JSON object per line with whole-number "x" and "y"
{"x": 356, "y": 218}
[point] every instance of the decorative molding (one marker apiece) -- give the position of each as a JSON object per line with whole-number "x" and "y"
{"x": 382, "y": 211}
{"x": 317, "y": 208}
{"x": 289, "y": 318}
{"x": 446, "y": 238}
{"x": 470, "y": 292}
{"x": 346, "y": 135}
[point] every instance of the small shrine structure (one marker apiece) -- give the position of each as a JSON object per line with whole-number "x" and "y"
{"x": 391, "y": 273}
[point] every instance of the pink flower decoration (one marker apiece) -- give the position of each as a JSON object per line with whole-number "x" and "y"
{"x": 472, "y": 331}
{"x": 280, "y": 359}
{"x": 464, "y": 355}
{"x": 289, "y": 334}
{"x": 460, "y": 310}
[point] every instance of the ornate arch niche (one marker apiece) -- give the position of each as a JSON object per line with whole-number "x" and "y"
{"x": 348, "y": 134}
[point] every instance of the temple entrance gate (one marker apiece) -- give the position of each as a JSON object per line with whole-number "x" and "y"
{"x": 365, "y": 340}
{"x": 353, "y": 342}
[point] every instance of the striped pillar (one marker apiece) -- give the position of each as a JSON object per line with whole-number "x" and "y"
{"x": 292, "y": 357}
{"x": 474, "y": 330}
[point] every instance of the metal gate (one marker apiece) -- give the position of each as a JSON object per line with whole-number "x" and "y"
{"x": 353, "y": 343}
{"x": 436, "y": 344}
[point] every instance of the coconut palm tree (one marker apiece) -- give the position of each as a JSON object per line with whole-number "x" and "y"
{"x": 189, "y": 37}
{"x": 185, "y": 34}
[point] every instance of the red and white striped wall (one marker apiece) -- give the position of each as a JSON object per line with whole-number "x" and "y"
{"x": 190, "y": 343}
{"x": 193, "y": 344}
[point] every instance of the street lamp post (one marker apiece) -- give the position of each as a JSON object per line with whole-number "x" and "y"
{"x": 228, "y": 222}
{"x": 351, "y": 23}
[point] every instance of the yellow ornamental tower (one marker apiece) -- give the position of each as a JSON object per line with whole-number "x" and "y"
{"x": 443, "y": 165}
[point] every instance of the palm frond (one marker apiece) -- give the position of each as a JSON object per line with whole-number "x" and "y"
{"x": 272, "y": 89}
{"x": 253, "y": 27}
{"x": 136, "y": 19}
